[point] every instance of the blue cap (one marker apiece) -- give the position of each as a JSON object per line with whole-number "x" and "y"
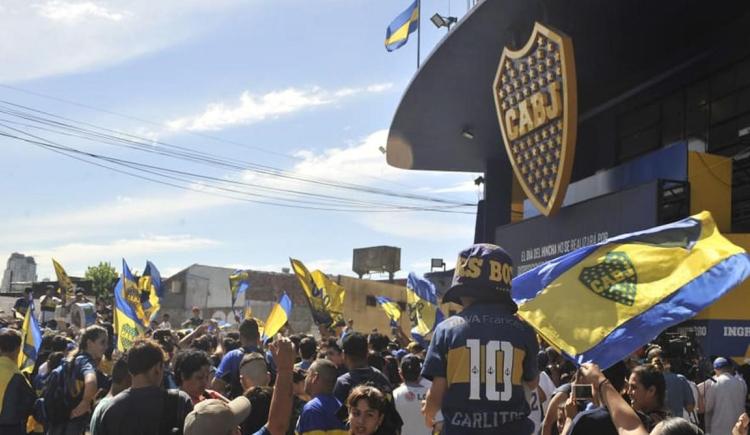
{"x": 483, "y": 271}
{"x": 720, "y": 363}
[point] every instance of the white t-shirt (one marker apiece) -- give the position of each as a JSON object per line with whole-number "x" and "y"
{"x": 546, "y": 384}
{"x": 408, "y": 401}
{"x": 538, "y": 410}
{"x": 725, "y": 402}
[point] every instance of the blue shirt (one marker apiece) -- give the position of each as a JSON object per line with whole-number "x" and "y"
{"x": 229, "y": 368}
{"x": 485, "y": 353}
{"x": 679, "y": 395}
{"x": 83, "y": 364}
{"x": 319, "y": 417}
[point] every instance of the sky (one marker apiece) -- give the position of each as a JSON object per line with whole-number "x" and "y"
{"x": 284, "y": 102}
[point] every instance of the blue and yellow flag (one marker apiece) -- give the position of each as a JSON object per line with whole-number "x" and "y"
{"x": 66, "y": 289}
{"x": 424, "y": 313}
{"x": 278, "y": 316}
{"x": 239, "y": 282}
{"x": 333, "y": 295}
{"x": 398, "y": 31}
{"x": 316, "y": 286}
{"x": 391, "y": 308}
{"x": 149, "y": 285}
{"x": 127, "y": 307}
{"x": 31, "y": 339}
{"x": 601, "y": 302}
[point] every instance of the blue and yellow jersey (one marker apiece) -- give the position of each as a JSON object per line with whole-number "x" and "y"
{"x": 319, "y": 417}
{"x": 485, "y": 353}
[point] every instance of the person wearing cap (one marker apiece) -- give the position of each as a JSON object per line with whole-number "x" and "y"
{"x": 145, "y": 408}
{"x": 481, "y": 359}
{"x": 318, "y": 416}
{"x": 216, "y": 417}
{"x": 194, "y": 321}
{"x": 409, "y": 395}
{"x": 724, "y": 399}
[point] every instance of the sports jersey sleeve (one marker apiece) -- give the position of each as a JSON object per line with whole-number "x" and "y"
{"x": 225, "y": 367}
{"x": 84, "y": 366}
{"x": 435, "y": 362}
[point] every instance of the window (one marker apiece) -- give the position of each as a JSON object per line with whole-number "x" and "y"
{"x": 371, "y": 301}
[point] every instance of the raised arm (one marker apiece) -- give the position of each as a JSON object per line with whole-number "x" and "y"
{"x": 625, "y": 419}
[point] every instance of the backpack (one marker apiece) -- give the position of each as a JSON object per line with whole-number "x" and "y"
{"x": 56, "y": 402}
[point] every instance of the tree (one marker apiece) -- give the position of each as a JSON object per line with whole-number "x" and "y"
{"x": 104, "y": 277}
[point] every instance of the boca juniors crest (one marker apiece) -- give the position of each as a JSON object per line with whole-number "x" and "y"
{"x": 535, "y": 98}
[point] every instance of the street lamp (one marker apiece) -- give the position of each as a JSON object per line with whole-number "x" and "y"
{"x": 441, "y": 21}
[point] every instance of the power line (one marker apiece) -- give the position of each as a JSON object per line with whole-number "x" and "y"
{"x": 115, "y": 138}
{"x": 161, "y": 125}
{"x": 158, "y": 171}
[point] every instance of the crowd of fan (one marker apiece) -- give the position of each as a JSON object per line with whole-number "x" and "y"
{"x": 204, "y": 380}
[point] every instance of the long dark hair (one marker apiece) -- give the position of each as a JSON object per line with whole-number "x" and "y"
{"x": 91, "y": 333}
{"x": 650, "y": 375}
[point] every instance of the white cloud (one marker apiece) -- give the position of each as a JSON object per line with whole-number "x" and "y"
{"x": 252, "y": 108}
{"x": 104, "y": 217}
{"x": 75, "y": 257}
{"x": 74, "y": 12}
{"x": 76, "y": 36}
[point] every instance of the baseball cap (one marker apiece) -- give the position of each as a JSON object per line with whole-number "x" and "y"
{"x": 215, "y": 416}
{"x": 720, "y": 363}
{"x": 483, "y": 271}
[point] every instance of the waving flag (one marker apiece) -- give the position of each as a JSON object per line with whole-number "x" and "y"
{"x": 31, "y": 339}
{"x": 66, "y": 288}
{"x": 278, "y": 316}
{"x": 315, "y": 293}
{"x": 333, "y": 295}
{"x": 601, "y": 302}
{"x": 150, "y": 288}
{"x": 391, "y": 308}
{"x": 128, "y": 310}
{"x": 398, "y": 31}
{"x": 424, "y": 313}
{"x": 239, "y": 282}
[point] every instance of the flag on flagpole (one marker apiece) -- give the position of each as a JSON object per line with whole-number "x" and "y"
{"x": 149, "y": 285}
{"x": 31, "y": 339}
{"x": 391, "y": 308}
{"x": 424, "y": 313}
{"x": 397, "y": 33}
{"x": 278, "y": 316}
{"x": 601, "y": 302}
{"x": 333, "y": 295}
{"x": 315, "y": 293}
{"x": 127, "y": 303}
{"x": 66, "y": 288}
{"x": 239, "y": 282}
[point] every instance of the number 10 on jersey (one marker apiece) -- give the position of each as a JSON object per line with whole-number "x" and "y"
{"x": 489, "y": 368}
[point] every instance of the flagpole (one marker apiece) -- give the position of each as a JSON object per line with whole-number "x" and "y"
{"x": 419, "y": 28}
